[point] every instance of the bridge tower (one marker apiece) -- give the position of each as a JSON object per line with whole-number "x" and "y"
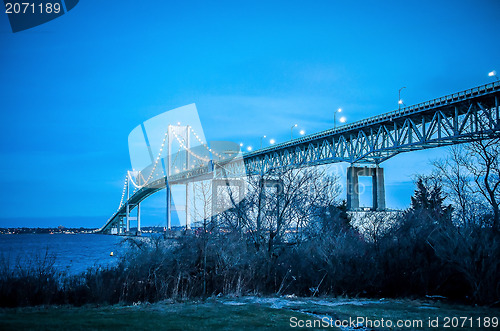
{"x": 183, "y": 135}
{"x": 378, "y": 188}
{"x": 128, "y": 208}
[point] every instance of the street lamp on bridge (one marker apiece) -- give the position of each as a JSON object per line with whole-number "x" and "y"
{"x": 264, "y": 136}
{"x": 291, "y": 131}
{"x": 335, "y": 117}
{"x": 400, "y": 102}
{"x": 493, "y": 74}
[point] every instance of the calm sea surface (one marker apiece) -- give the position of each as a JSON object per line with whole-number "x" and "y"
{"x": 74, "y": 253}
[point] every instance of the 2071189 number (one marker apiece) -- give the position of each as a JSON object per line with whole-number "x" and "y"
{"x": 469, "y": 322}
{"x": 29, "y": 7}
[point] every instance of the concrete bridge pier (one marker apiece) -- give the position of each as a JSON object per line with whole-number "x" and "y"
{"x": 217, "y": 203}
{"x": 120, "y": 227}
{"x": 129, "y": 218}
{"x": 168, "y": 206}
{"x": 378, "y": 188}
{"x": 188, "y": 216}
{"x": 264, "y": 183}
{"x": 138, "y": 218}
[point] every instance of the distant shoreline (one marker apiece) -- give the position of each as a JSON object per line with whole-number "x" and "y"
{"x": 64, "y": 230}
{"x": 58, "y": 230}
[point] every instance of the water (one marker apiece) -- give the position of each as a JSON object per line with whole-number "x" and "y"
{"x": 73, "y": 253}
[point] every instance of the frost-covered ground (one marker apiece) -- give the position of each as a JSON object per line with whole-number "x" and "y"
{"x": 256, "y": 313}
{"x": 375, "y": 314}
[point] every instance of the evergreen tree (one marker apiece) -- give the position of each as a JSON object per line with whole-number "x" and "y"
{"x": 428, "y": 202}
{"x": 420, "y": 200}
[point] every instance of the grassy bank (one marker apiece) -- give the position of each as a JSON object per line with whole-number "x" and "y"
{"x": 159, "y": 316}
{"x": 250, "y": 313}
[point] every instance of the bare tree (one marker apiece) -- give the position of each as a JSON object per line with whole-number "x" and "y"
{"x": 473, "y": 252}
{"x": 484, "y": 164}
{"x": 375, "y": 225}
{"x": 202, "y": 209}
{"x": 457, "y": 180}
{"x": 279, "y": 205}
{"x": 471, "y": 175}
{"x": 472, "y": 178}
{"x": 201, "y": 202}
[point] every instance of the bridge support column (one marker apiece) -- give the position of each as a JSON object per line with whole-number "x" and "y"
{"x": 188, "y": 164}
{"x": 352, "y": 189}
{"x": 120, "y": 226}
{"x": 278, "y": 184}
{"x": 378, "y": 187}
{"x": 138, "y": 218}
{"x": 188, "y": 216}
{"x": 167, "y": 187}
{"x": 127, "y": 217}
{"x": 127, "y": 207}
{"x": 217, "y": 204}
{"x": 168, "y": 207}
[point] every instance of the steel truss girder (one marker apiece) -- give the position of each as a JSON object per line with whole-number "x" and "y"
{"x": 464, "y": 117}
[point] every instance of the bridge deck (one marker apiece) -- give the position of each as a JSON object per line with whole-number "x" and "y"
{"x": 459, "y": 117}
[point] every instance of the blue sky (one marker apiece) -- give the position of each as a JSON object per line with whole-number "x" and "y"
{"x": 72, "y": 89}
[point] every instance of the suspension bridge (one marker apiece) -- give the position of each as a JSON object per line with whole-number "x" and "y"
{"x": 461, "y": 117}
